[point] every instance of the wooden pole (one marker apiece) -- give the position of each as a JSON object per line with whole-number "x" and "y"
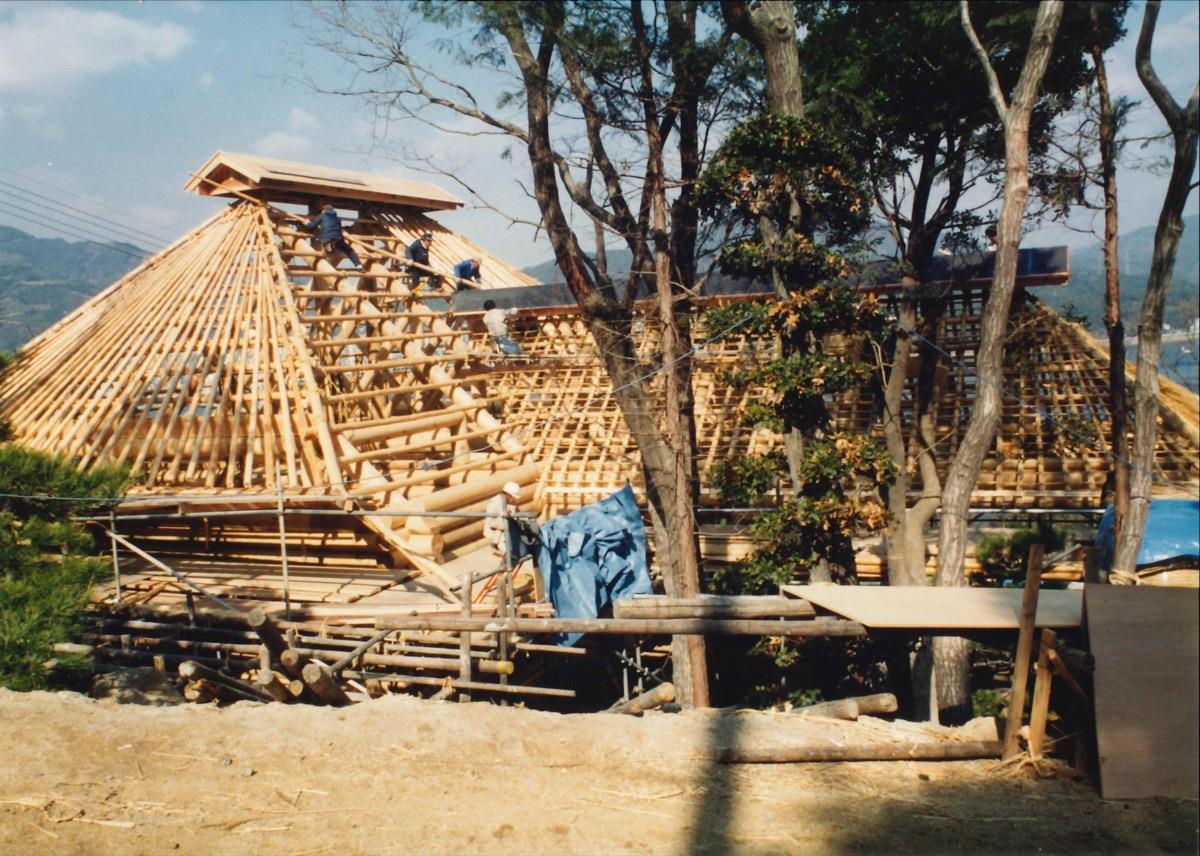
{"x": 940, "y": 751}
{"x": 266, "y": 630}
{"x": 274, "y": 686}
{"x": 464, "y": 642}
{"x": 1040, "y": 711}
{"x": 656, "y": 697}
{"x": 191, "y": 670}
{"x": 324, "y": 685}
{"x": 477, "y": 686}
{"x": 714, "y": 606}
{"x": 851, "y": 708}
{"x": 345, "y": 661}
{"x": 293, "y": 662}
{"x": 1020, "y": 678}
{"x": 283, "y": 556}
{"x": 637, "y": 626}
{"x": 112, "y": 525}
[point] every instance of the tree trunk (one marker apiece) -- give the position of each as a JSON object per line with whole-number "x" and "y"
{"x": 1117, "y": 399}
{"x": 668, "y": 489}
{"x": 687, "y": 653}
{"x": 1183, "y": 124}
{"x": 770, "y": 25}
{"x": 952, "y": 667}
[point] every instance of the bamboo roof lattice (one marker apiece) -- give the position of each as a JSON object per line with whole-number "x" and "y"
{"x": 243, "y": 362}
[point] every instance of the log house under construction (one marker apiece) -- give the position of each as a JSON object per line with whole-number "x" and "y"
{"x": 296, "y": 427}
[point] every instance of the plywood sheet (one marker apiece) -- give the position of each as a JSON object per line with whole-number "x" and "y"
{"x": 937, "y": 608}
{"x": 1146, "y": 641}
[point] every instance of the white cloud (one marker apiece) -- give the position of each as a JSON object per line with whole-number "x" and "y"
{"x": 206, "y": 80}
{"x": 50, "y": 47}
{"x": 302, "y": 120}
{"x": 282, "y": 144}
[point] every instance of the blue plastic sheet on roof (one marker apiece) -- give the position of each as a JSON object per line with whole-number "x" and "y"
{"x": 593, "y": 556}
{"x": 1172, "y": 531}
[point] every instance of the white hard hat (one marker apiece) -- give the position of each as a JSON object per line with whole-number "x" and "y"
{"x": 512, "y": 489}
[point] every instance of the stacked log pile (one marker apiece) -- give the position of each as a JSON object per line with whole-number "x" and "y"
{"x": 250, "y": 657}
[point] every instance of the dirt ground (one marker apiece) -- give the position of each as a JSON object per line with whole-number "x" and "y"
{"x": 403, "y": 775}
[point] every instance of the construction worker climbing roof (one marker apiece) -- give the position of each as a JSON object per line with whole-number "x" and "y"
{"x": 328, "y": 227}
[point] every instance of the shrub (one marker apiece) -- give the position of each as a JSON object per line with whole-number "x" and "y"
{"x": 46, "y": 569}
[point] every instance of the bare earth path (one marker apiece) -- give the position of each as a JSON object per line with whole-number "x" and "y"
{"x": 400, "y": 775}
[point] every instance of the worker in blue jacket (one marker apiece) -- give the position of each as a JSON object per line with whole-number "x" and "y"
{"x": 328, "y": 227}
{"x": 468, "y": 270}
{"x": 418, "y": 251}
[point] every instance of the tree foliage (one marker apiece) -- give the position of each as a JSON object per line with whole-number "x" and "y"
{"x": 46, "y": 563}
{"x": 793, "y": 199}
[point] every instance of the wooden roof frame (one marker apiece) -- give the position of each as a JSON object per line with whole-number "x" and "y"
{"x": 230, "y": 173}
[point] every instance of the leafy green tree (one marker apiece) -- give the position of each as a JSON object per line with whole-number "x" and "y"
{"x": 772, "y": 173}
{"x": 46, "y": 561}
{"x": 903, "y": 81}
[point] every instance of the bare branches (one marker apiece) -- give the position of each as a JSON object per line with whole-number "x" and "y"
{"x": 995, "y": 92}
{"x": 1178, "y": 118}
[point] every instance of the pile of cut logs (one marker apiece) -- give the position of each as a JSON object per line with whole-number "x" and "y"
{"x": 233, "y": 657}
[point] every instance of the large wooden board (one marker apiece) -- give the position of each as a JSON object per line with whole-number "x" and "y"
{"x": 1147, "y": 684}
{"x": 936, "y": 608}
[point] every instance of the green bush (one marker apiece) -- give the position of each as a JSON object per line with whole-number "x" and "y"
{"x": 1002, "y": 558}
{"x": 987, "y": 702}
{"x": 46, "y": 566}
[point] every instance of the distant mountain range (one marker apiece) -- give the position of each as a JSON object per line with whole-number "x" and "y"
{"x": 42, "y": 279}
{"x": 1134, "y": 251}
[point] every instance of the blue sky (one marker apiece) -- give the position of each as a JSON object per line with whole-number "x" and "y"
{"x": 110, "y": 105}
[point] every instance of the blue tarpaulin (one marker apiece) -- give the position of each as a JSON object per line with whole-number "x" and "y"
{"x": 1172, "y": 531}
{"x": 593, "y": 556}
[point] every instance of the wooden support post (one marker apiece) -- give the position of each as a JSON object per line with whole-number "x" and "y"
{"x": 262, "y": 625}
{"x": 283, "y": 556}
{"x": 324, "y": 685}
{"x": 112, "y": 525}
{"x": 464, "y": 641}
{"x": 1020, "y": 678}
{"x": 1060, "y": 668}
{"x": 503, "y": 594}
{"x": 1040, "y": 711}
{"x": 656, "y": 697}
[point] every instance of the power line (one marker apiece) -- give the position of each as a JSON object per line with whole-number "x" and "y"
{"x": 108, "y": 223}
{"x": 73, "y": 194}
{"x": 66, "y": 229}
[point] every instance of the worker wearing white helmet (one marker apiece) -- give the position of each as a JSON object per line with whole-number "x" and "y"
{"x": 495, "y": 525}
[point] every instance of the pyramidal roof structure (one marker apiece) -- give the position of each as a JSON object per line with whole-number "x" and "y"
{"x": 245, "y": 364}
{"x": 242, "y": 360}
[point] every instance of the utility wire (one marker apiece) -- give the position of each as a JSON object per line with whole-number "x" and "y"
{"x": 107, "y": 223}
{"x": 67, "y": 229}
{"x": 73, "y": 194}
